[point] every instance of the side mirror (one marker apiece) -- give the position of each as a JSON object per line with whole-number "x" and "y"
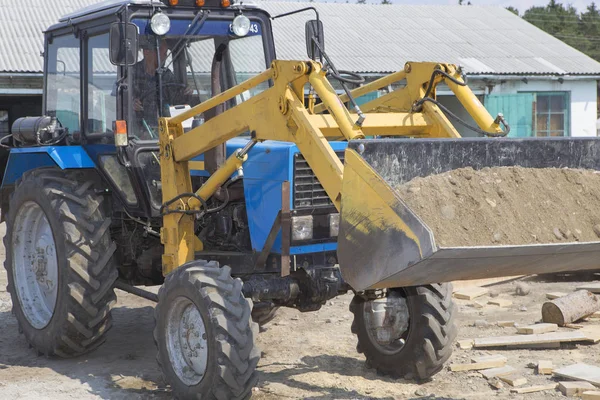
{"x": 314, "y": 32}
{"x": 123, "y": 43}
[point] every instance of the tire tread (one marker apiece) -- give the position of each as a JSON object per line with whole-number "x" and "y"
{"x": 430, "y": 346}
{"x": 90, "y": 276}
{"x": 235, "y": 332}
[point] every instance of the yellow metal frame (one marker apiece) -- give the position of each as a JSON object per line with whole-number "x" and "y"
{"x": 280, "y": 113}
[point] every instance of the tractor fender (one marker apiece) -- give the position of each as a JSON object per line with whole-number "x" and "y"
{"x": 15, "y": 163}
{"x": 21, "y": 160}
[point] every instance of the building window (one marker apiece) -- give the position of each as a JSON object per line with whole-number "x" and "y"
{"x": 4, "y": 122}
{"x": 551, "y": 114}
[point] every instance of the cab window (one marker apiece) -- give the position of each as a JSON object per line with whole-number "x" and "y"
{"x": 101, "y": 88}
{"x": 63, "y": 82}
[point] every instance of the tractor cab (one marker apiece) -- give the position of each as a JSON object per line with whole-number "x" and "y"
{"x": 113, "y": 69}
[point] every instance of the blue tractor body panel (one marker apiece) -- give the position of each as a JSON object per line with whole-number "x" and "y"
{"x": 269, "y": 165}
{"x": 24, "y": 159}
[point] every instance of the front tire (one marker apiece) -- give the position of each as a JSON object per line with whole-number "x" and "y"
{"x": 424, "y": 346}
{"x": 205, "y": 335}
{"x": 59, "y": 262}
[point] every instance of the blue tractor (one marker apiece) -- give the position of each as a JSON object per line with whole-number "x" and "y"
{"x": 174, "y": 149}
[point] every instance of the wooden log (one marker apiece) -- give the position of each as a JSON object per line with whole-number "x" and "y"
{"x": 570, "y": 308}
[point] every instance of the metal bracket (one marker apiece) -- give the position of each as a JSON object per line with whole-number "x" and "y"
{"x": 282, "y": 221}
{"x": 286, "y": 223}
{"x": 262, "y": 258}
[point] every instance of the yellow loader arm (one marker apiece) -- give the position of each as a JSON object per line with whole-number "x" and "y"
{"x": 382, "y": 243}
{"x": 279, "y": 113}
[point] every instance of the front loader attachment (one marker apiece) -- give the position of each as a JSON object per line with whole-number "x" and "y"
{"x": 383, "y": 243}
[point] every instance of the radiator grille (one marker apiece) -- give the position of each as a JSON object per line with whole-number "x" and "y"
{"x": 308, "y": 192}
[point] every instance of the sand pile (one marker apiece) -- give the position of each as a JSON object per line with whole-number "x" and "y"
{"x": 507, "y": 205}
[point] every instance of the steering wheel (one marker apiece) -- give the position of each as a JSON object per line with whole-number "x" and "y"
{"x": 353, "y": 77}
{"x": 164, "y": 85}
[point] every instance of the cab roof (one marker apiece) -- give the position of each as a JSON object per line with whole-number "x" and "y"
{"x": 106, "y": 5}
{"x": 115, "y": 4}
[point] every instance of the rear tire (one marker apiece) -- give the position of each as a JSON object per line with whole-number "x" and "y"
{"x": 59, "y": 262}
{"x": 205, "y": 334}
{"x": 428, "y": 340}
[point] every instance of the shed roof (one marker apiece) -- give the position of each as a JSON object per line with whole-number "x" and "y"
{"x": 359, "y": 37}
{"x": 381, "y": 38}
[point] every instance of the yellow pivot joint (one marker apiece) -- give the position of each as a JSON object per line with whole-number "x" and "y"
{"x": 233, "y": 163}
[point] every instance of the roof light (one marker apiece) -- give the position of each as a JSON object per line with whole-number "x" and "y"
{"x": 160, "y": 24}
{"x": 240, "y": 25}
{"x": 225, "y": 3}
{"x": 200, "y": 3}
{"x": 173, "y": 2}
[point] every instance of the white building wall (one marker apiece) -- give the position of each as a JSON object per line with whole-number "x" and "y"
{"x": 583, "y": 114}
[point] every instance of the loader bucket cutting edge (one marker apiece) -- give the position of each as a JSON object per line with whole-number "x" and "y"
{"x": 383, "y": 243}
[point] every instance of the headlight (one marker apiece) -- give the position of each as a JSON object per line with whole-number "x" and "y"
{"x": 160, "y": 24}
{"x": 302, "y": 228}
{"x": 240, "y": 25}
{"x": 334, "y": 224}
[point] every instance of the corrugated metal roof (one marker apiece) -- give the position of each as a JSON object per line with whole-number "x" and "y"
{"x": 363, "y": 38}
{"x": 381, "y": 38}
{"x": 21, "y": 37}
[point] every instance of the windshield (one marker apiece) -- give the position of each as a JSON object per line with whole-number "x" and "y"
{"x": 197, "y": 62}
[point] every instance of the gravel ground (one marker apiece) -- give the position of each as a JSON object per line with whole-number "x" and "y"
{"x": 308, "y": 355}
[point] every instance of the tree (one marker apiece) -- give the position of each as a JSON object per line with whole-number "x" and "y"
{"x": 513, "y": 10}
{"x": 361, "y": 2}
{"x": 579, "y": 30}
{"x": 589, "y": 29}
{"x": 386, "y": 2}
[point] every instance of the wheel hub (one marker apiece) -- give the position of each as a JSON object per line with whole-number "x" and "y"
{"x": 387, "y": 321}
{"x": 35, "y": 264}
{"x": 45, "y": 255}
{"x": 187, "y": 341}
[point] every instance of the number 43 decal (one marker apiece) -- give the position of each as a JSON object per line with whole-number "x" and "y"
{"x": 253, "y": 29}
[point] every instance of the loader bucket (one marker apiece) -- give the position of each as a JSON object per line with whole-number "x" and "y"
{"x": 382, "y": 243}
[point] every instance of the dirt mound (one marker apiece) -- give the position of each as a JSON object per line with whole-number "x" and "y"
{"x": 507, "y": 205}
